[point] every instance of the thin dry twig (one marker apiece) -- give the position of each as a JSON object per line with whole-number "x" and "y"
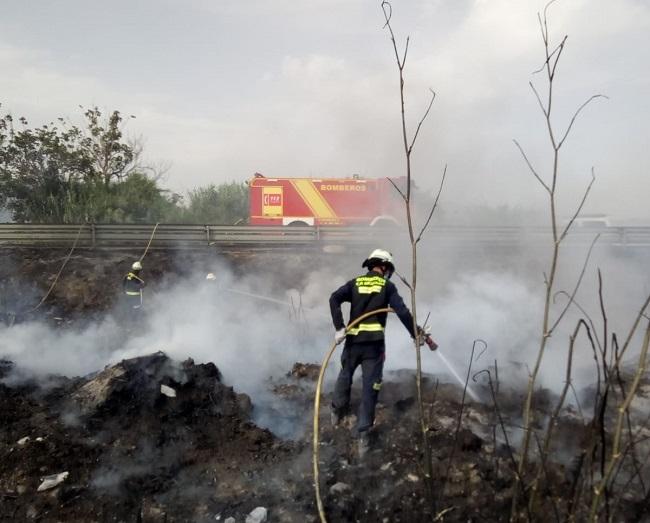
{"x": 434, "y": 206}
{"x": 582, "y": 202}
{"x": 397, "y": 189}
{"x": 546, "y": 62}
{"x": 544, "y": 449}
{"x": 632, "y": 331}
{"x": 485, "y": 347}
{"x": 616, "y": 454}
{"x": 577, "y": 285}
{"x": 424, "y": 116}
{"x": 404, "y": 280}
{"x": 502, "y": 424}
{"x": 575, "y": 115}
{"x": 459, "y": 421}
{"x": 582, "y": 310}
{"x": 530, "y": 166}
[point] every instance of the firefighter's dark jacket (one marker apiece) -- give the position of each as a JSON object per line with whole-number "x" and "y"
{"x": 367, "y": 293}
{"x": 132, "y": 284}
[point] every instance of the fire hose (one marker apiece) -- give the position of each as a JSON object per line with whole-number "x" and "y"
{"x": 58, "y": 274}
{"x": 319, "y": 385}
{"x": 153, "y": 233}
{"x": 67, "y": 258}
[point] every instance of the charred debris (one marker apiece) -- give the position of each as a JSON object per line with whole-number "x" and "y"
{"x": 151, "y": 439}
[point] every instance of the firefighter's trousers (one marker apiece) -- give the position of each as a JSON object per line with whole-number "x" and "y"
{"x": 370, "y": 355}
{"x": 132, "y": 302}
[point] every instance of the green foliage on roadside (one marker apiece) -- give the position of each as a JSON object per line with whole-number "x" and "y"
{"x": 223, "y": 204}
{"x": 137, "y": 199}
{"x": 63, "y": 173}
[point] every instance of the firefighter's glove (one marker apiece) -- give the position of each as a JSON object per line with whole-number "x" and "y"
{"x": 339, "y": 336}
{"x": 425, "y": 337}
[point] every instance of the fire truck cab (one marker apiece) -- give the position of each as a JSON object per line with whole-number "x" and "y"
{"x": 324, "y": 201}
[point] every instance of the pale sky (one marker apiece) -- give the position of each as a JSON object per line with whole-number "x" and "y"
{"x": 222, "y": 89}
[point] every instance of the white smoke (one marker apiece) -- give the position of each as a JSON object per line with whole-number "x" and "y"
{"x": 258, "y": 332}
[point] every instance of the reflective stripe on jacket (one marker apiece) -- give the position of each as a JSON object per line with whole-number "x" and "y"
{"x": 367, "y": 293}
{"x": 132, "y": 285}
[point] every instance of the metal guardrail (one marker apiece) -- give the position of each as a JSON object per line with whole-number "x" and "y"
{"x": 98, "y": 236}
{"x": 166, "y": 236}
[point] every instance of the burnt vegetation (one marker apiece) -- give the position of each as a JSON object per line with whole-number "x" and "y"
{"x": 153, "y": 439}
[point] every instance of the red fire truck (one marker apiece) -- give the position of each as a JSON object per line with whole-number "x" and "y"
{"x": 326, "y": 201}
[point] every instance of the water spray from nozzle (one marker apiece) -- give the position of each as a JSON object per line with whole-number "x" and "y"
{"x": 451, "y": 369}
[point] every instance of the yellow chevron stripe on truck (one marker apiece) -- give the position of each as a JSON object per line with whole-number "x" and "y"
{"x": 314, "y": 199}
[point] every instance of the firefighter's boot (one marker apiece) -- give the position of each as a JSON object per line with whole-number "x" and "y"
{"x": 335, "y": 417}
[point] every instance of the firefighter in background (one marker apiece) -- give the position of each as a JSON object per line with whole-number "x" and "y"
{"x": 132, "y": 286}
{"x": 364, "y": 344}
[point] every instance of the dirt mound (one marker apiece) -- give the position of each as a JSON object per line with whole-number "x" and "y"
{"x": 150, "y": 439}
{"x": 145, "y": 433}
{"x": 154, "y": 440}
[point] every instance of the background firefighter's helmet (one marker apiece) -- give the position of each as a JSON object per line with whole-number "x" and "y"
{"x": 136, "y": 266}
{"x": 380, "y": 257}
{"x": 210, "y": 276}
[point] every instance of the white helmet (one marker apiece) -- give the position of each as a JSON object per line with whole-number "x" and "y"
{"x": 210, "y": 276}
{"x": 379, "y": 257}
{"x": 136, "y": 266}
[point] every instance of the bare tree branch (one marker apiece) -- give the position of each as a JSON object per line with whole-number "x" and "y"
{"x": 404, "y": 280}
{"x": 532, "y": 169}
{"x": 582, "y": 202}
{"x": 397, "y": 189}
{"x": 406, "y": 50}
{"x": 387, "y": 15}
{"x": 583, "y": 312}
{"x": 577, "y": 286}
{"x": 552, "y": 59}
{"x": 424, "y": 117}
{"x": 616, "y": 454}
{"x": 546, "y": 7}
{"x": 433, "y": 207}
{"x": 545, "y": 64}
{"x": 485, "y": 347}
{"x": 558, "y": 53}
{"x": 632, "y": 331}
{"x": 459, "y": 422}
{"x": 539, "y": 99}
{"x": 575, "y": 115}
{"x": 408, "y": 146}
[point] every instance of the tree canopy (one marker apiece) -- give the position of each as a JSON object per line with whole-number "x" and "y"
{"x": 65, "y": 173}
{"x": 226, "y": 203}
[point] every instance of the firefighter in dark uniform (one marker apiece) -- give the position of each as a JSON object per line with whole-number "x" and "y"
{"x": 364, "y": 343}
{"x": 132, "y": 286}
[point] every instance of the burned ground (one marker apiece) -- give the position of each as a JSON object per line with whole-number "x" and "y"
{"x": 152, "y": 439}
{"x": 91, "y": 282}
{"x": 130, "y": 449}
{"x": 133, "y": 452}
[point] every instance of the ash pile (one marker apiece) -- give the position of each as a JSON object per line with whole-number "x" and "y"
{"x": 154, "y": 440}
{"x": 147, "y": 439}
